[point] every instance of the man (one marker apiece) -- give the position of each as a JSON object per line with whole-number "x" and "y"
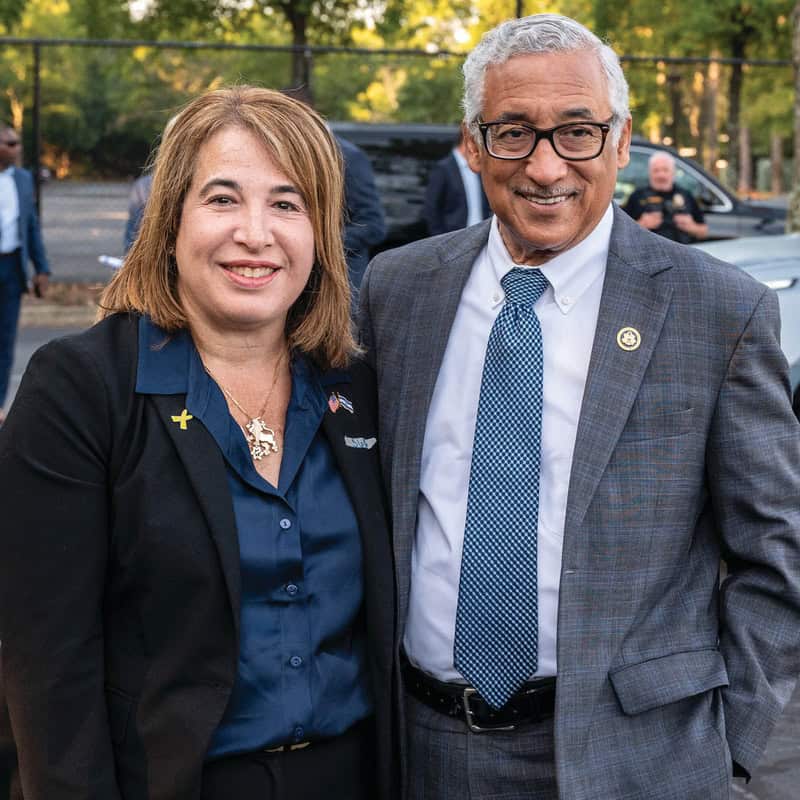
{"x": 454, "y": 198}
{"x": 364, "y": 226}
{"x": 561, "y": 504}
{"x": 20, "y": 240}
{"x": 665, "y": 209}
{"x": 137, "y": 200}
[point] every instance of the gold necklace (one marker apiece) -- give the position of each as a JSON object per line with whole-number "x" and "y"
{"x": 260, "y": 437}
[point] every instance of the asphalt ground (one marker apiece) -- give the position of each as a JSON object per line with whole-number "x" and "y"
{"x": 80, "y": 222}
{"x": 84, "y": 221}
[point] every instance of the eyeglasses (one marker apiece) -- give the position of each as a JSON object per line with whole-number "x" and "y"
{"x": 13, "y": 143}
{"x": 573, "y": 141}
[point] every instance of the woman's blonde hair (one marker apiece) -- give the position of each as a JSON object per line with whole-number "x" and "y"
{"x": 298, "y": 140}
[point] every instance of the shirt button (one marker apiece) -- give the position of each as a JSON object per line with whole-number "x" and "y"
{"x": 565, "y": 301}
{"x": 298, "y": 733}
{"x": 497, "y": 297}
{"x": 285, "y": 524}
{"x": 291, "y": 588}
{"x": 296, "y": 661}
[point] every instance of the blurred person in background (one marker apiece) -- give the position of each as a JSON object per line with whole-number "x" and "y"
{"x": 364, "y": 225}
{"x": 137, "y": 200}
{"x": 665, "y": 209}
{"x": 195, "y": 568}
{"x": 20, "y": 243}
{"x": 454, "y": 197}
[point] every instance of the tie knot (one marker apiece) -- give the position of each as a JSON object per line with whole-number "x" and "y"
{"x": 524, "y": 286}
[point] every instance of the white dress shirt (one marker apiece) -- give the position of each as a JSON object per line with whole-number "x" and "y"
{"x": 567, "y": 313}
{"x": 9, "y": 212}
{"x": 472, "y": 188}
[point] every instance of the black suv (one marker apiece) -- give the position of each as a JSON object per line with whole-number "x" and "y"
{"x": 402, "y": 156}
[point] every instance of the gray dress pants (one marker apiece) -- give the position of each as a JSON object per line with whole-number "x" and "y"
{"x": 448, "y": 762}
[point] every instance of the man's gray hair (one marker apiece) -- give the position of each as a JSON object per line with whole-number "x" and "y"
{"x": 662, "y": 155}
{"x": 541, "y": 34}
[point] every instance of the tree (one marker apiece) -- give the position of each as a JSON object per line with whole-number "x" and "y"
{"x": 308, "y": 22}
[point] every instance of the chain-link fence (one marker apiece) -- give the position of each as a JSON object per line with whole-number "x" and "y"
{"x": 93, "y": 110}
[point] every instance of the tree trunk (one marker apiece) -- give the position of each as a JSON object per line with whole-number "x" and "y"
{"x": 745, "y": 185}
{"x": 674, "y": 89}
{"x": 709, "y": 125}
{"x": 297, "y": 15}
{"x": 776, "y": 163}
{"x": 735, "y": 103}
{"x": 793, "y": 220}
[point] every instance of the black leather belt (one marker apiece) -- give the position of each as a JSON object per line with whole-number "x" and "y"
{"x": 534, "y": 702}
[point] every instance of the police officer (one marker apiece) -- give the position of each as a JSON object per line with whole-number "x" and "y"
{"x": 664, "y": 208}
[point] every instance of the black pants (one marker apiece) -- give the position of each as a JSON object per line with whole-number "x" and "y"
{"x": 340, "y": 769}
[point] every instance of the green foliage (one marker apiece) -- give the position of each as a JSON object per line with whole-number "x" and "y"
{"x": 103, "y": 108}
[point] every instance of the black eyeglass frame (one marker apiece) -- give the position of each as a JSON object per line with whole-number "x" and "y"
{"x": 548, "y": 135}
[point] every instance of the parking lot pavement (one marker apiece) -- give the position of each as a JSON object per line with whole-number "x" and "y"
{"x": 80, "y": 222}
{"x": 29, "y": 340}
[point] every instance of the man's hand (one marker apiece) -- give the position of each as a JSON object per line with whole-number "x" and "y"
{"x": 685, "y": 222}
{"x": 40, "y": 281}
{"x": 651, "y": 219}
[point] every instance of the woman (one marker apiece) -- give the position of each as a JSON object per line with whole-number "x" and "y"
{"x": 190, "y": 488}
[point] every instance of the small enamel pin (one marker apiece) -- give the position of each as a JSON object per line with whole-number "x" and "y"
{"x": 337, "y": 401}
{"x": 182, "y": 419}
{"x": 629, "y": 339}
{"x": 360, "y": 442}
{"x": 345, "y": 403}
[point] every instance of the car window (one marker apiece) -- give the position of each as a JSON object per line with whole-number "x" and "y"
{"x": 634, "y": 176}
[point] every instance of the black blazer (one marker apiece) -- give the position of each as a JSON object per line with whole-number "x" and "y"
{"x": 119, "y": 575}
{"x": 445, "y": 206}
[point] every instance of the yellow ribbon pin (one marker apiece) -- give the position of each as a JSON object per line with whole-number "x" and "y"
{"x": 182, "y": 419}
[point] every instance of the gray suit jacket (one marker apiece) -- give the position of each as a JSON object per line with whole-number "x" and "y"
{"x": 687, "y": 452}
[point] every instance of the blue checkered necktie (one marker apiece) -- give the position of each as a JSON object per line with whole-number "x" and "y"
{"x": 496, "y": 619}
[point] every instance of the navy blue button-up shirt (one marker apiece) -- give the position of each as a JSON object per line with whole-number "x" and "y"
{"x": 302, "y": 668}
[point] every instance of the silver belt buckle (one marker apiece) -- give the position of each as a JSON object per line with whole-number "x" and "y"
{"x": 468, "y": 692}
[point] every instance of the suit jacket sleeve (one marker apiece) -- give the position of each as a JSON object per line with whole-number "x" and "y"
{"x": 33, "y": 233}
{"x": 365, "y": 226}
{"x": 54, "y": 450}
{"x": 753, "y": 458}
{"x": 434, "y": 200}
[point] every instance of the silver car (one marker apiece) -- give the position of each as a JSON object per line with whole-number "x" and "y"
{"x": 775, "y": 261}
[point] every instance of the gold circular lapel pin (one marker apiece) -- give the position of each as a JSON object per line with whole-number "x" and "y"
{"x": 629, "y": 339}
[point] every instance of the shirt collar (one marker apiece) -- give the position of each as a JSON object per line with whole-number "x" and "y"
{"x": 168, "y": 363}
{"x": 570, "y": 273}
{"x": 460, "y": 160}
{"x": 9, "y": 170}
{"x": 164, "y": 359}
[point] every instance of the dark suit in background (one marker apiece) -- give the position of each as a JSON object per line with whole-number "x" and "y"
{"x": 364, "y": 223}
{"x": 445, "y": 206}
{"x": 14, "y": 272}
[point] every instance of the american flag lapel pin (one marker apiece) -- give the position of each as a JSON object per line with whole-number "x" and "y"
{"x": 333, "y": 402}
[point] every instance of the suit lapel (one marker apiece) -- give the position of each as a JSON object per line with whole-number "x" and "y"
{"x": 630, "y": 299}
{"x": 352, "y": 439}
{"x": 359, "y": 465}
{"x": 206, "y": 470}
{"x": 431, "y": 318}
